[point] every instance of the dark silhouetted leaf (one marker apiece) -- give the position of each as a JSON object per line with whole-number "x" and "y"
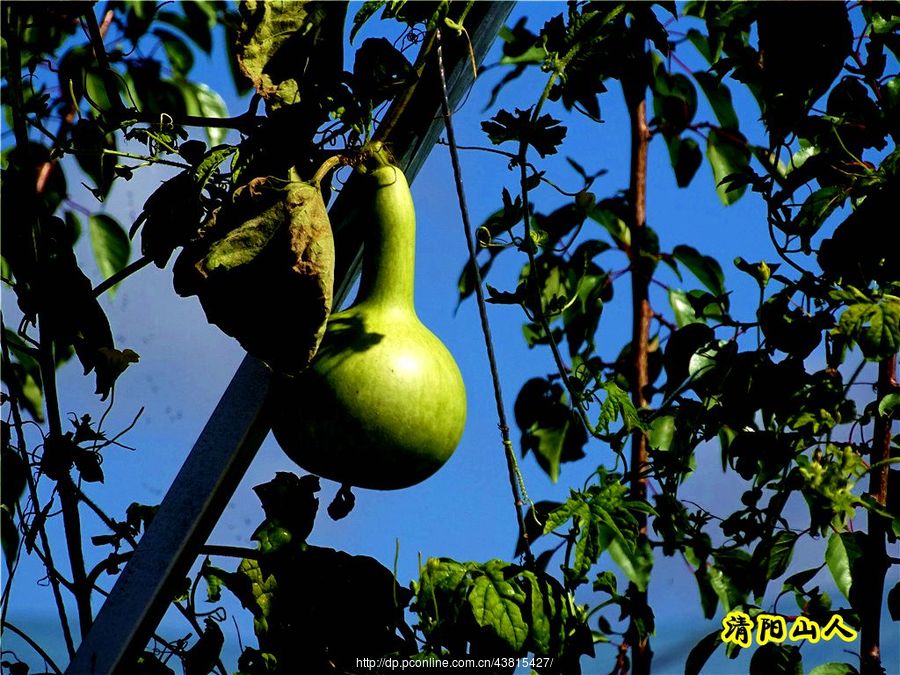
{"x": 180, "y": 56}
{"x": 686, "y": 158}
{"x": 380, "y": 71}
{"x": 110, "y": 363}
{"x": 342, "y": 504}
{"x": 544, "y": 134}
{"x": 701, "y": 652}
{"x": 90, "y": 141}
{"x": 550, "y": 428}
{"x": 202, "y": 658}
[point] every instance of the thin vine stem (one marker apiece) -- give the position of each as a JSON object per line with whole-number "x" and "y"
{"x": 515, "y": 477}
{"x": 34, "y": 645}
{"x": 123, "y": 273}
{"x": 561, "y": 366}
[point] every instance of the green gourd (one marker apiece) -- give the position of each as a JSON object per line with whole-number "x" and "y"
{"x": 383, "y": 404}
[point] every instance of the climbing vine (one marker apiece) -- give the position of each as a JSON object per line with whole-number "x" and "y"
{"x": 794, "y": 389}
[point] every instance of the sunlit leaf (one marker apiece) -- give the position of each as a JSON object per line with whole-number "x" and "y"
{"x": 497, "y": 604}
{"x": 834, "y": 668}
{"x": 728, "y": 154}
{"x": 719, "y": 97}
{"x": 111, "y": 245}
{"x": 841, "y": 554}
{"x": 875, "y": 326}
{"x": 705, "y": 268}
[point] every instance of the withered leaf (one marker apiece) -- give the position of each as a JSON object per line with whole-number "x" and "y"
{"x": 264, "y": 273}
{"x": 285, "y": 46}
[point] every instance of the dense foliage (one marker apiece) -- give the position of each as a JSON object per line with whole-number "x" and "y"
{"x": 776, "y": 390}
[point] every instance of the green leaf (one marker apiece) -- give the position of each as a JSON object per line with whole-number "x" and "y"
{"x": 815, "y": 210}
{"x": 728, "y": 593}
{"x": 616, "y": 227}
{"x": 800, "y": 579}
{"x": 635, "y": 561}
{"x": 719, "y": 97}
{"x": 684, "y": 311}
{"x": 111, "y": 245}
{"x": 780, "y": 554}
{"x": 365, "y": 12}
{"x": 214, "y": 577}
{"x": 618, "y": 403}
{"x": 290, "y": 506}
{"x": 708, "y": 598}
{"x": 258, "y": 595}
{"x": 180, "y": 56}
{"x": 211, "y": 162}
{"x": 674, "y": 100}
{"x": 497, "y": 605}
{"x": 706, "y": 269}
{"x": 888, "y": 405}
{"x": 24, "y": 375}
{"x": 841, "y": 553}
{"x": 874, "y": 326}
{"x": 834, "y": 668}
{"x": 208, "y": 104}
{"x": 288, "y": 246}
{"x": 728, "y": 154}
{"x": 380, "y": 71}
{"x": 73, "y": 225}
{"x": 662, "y": 431}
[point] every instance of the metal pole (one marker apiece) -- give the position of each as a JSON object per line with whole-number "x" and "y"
{"x": 238, "y": 425}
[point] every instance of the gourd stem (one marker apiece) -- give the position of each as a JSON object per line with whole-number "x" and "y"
{"x": 327, "y": 166}
{"x": 389, "y": 255}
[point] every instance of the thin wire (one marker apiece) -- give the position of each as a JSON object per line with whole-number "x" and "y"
{"x": 515, "y": 476}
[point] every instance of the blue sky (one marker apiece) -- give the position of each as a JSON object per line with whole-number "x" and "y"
{"x": 464, "y": 511}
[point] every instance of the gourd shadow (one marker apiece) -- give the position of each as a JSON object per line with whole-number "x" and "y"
{"x": 344, "y": 336}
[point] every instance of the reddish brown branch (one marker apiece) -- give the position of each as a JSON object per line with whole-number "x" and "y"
{"x": 878, "y": 561}
{"x": 635, "y": 98}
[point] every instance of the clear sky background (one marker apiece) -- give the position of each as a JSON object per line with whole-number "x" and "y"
{"x": 465, "y": 510}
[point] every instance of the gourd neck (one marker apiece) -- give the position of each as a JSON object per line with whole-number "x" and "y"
{"x": 388, "y": 267}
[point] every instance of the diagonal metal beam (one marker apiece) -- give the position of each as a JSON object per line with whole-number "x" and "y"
{"x": 239, "y": 424}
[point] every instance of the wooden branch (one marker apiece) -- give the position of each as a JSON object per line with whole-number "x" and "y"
{"x": 636, "y": 102}
{"x": 876, "y": 556}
